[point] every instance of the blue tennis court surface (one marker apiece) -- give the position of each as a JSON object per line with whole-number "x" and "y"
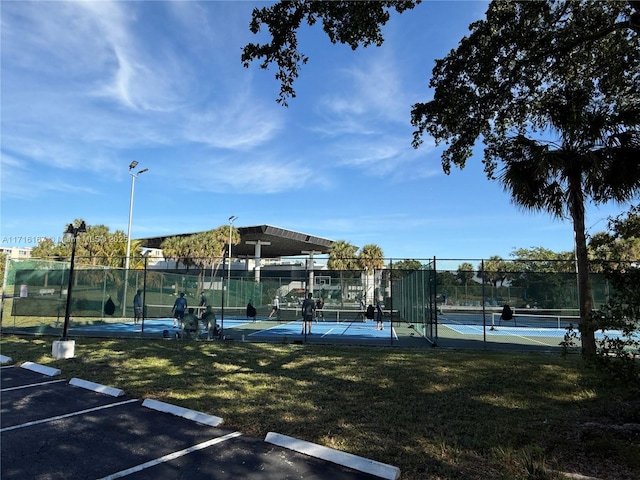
{"x": 324, "y": 329}
{"x": 523, "y": 331}
{"x": 157, "y": 325}
{"x": 356, "y": 330}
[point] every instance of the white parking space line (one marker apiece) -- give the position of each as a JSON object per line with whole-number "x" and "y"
{"x": 60, "y": 417}
{"x": 31, "y": 385}
{"x": 171, "y": 456}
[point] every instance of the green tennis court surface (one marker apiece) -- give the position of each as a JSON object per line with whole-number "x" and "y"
{"x": 523, "y": 331}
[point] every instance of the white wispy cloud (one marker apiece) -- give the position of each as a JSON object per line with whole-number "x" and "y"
{"x": 87, "y": 82}
{"x": 239, "y": 123}
{"x": 371, "y": 92}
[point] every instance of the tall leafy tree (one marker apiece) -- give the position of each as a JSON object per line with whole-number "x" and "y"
{"x": 46, "y": 248}
{"x": 547, "y": 279}
{"x": 551, "y": 87}
{"x": 358, "y": 24}
{"x": 97, "y": 246}
{"x": 540, "y": 259}
{"x": 404, "y": 267}
{"x": 494, "y": 270}
{"x": 512, "y": 76}
{"x": 622, "y": 310}
{"x": 620, "y": 245}
{"x": 342, "y": 256}
{"x": 352, "y": 23}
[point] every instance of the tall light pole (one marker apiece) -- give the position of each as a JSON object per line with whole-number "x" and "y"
{"x": 132, "y": 166}
{"x": 231, "y": 219}
{"x": 71, "y": 234}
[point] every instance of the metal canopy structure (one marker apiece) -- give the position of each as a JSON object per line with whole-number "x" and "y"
{"x": 274, "y": 242}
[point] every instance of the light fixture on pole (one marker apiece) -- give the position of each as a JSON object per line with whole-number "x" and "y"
{"x": 64, "y": 348}
{"x": 132, "y": 166}
{"x": 231, "y": 219}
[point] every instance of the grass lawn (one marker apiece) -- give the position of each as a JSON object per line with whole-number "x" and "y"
{"x": 435, "y": 414}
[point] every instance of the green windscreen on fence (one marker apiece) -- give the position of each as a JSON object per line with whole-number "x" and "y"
{"x": 431, "y": 301}
{"x": 414, "y": 298}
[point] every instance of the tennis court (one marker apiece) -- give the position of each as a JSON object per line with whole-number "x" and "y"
{"x": 241, "y": 328}
{"x": 527, "y": 329}
{"x": 524, "y": 331}
{"x": 322, "y": 329}
{"x": 157, "y": 325}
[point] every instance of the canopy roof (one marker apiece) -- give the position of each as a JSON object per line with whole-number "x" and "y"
{"x": 282, "y": 243}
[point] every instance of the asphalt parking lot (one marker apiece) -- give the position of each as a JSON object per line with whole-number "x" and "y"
{"x": 53, "y": 428}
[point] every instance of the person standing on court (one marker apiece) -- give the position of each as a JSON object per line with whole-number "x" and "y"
{"x": 370, "y": 313}
{"x": 308, "y": 308}
{"x": 379, "y": 315}
{"x": 319, "y": 307}
{"x": 137, "y": 308}
{"x": 275, "y": 305}
{"x": 251, "y": 311}
{"x": 179, "y": 306}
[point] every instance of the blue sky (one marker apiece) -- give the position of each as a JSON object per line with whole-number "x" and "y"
{"x": 88, "y": 87}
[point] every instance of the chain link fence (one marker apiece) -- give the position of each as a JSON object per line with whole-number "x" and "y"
{"x": 422, "y": 302}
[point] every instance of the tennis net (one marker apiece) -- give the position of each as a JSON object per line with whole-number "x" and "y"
{"x": 530, "y": 318}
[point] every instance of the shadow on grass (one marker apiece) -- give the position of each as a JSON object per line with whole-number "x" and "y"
{"x": 433, "y": 413}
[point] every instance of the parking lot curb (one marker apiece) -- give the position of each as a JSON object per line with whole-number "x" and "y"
{"x": 355, "y": 462}
{"x": 36, "y": 367}
{"x": 198, "y": 417}
{"x": 96, "y": 387}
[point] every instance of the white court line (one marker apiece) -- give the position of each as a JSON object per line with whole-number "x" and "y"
{"x": 60, "y": 417}
{"x": 31, "y": 385}
{"x": 530, "y": 339}
{"x": 171, "y": 456}
{"x": 480, "y": 329}
{"x": 327, "y": 332}
{"x": 293, "y": 322}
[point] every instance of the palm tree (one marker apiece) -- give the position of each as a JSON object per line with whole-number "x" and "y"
{"x": 370, "y": 258}
{"x": 596, "y": 159}
{"x": 205, "y": 248}
{"x": 465, "y": 274}
{"x": 342, "y": 256}
{"x": 177, "y": 249}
